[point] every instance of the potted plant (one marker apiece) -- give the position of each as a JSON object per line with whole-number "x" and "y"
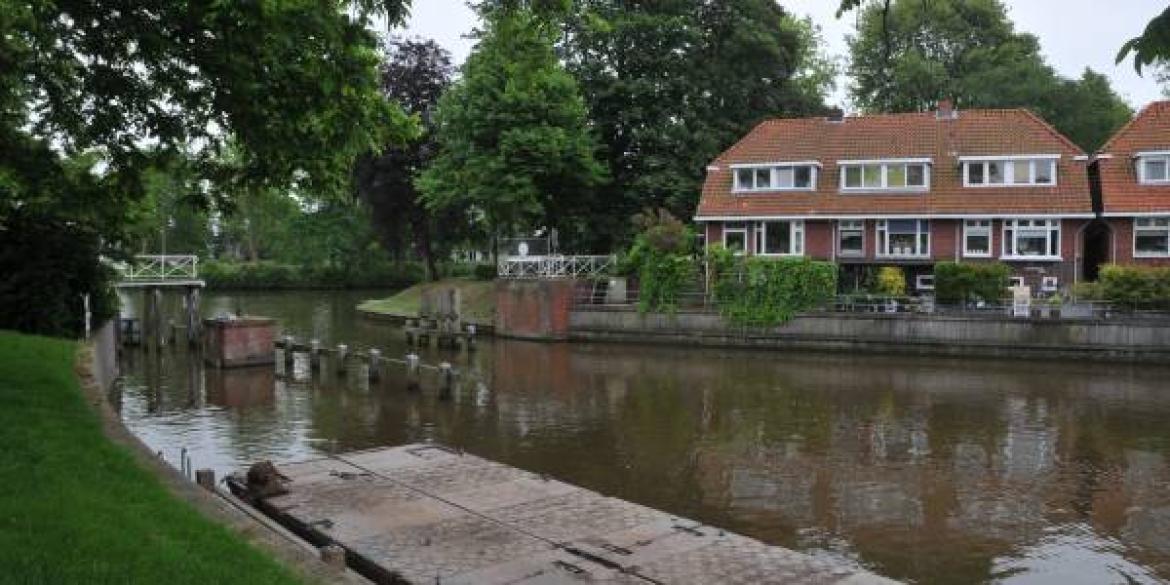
{"x": 1055, "y": 302}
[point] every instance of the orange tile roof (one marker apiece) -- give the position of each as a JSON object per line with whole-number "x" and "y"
{"x": 917, "y": 135}
{"x": 1120, "y": 190}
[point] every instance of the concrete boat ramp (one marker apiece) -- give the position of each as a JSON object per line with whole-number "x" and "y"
{"x": 427, "y": 514}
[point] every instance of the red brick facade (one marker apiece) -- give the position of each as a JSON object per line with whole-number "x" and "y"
{"x": 1122, "y": 197}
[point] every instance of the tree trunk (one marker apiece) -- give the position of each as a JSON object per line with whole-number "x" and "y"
{"x": 422, "y": 229}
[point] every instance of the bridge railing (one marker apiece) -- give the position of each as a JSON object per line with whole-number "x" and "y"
{"x": 152, "y": 267}
{"x": 517, "y": 267}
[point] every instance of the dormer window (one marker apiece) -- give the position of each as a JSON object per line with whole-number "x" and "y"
{"x": 1009, "y": 171}
{"x": 1153, "y": 168}
{"x": 797, "y": 176}
{"x": 885, "y": 175}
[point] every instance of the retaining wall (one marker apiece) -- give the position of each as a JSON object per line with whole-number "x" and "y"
{"x": 900, "y": 333}
{"x": 534, "y": 309}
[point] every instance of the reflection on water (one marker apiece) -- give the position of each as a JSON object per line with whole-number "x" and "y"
{"x": 930, "y": 470}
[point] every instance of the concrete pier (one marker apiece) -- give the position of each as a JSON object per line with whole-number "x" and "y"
{"x": 427, "y": 514}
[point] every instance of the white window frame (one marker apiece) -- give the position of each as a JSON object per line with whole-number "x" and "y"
{"x": 970, "y": 230}
{"x": 1016, "y": 281}
{"x": 1151, "y": 226}
{"x": 1143, "y": 157}
{"x": 743, "y": 229}
{"x": 1013, "y": 225}
{"x": 885, "y": 164}
{"x": 773, "y": 176}
{"x": 1049, "y": 284}
{"x": 795, "y": 238}
{"x": 882, "y": 229}
{"x": 1009, "y": 170}
{"x": 924, "y": 282}
{"x": 860, "y": 223}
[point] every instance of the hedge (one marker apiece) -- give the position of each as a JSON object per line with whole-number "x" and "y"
{"x": 962, "y": 282}
{"x": 767, "y": 291}
{"x": 1135, "y": 286}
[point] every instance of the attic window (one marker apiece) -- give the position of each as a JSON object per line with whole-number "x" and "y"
{"x": 1008, "y": 171}
{"x": 885, "y": 175}
{"x": 1153, "y": 168}
{"x": 775, "y": 177}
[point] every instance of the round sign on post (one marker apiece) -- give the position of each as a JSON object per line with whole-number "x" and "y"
{"x": 523, "y": 248}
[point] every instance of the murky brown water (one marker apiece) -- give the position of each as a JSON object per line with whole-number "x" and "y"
{"x": 929, "y": 470}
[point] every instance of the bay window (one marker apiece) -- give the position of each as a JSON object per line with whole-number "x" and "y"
{"x": 1151, "y": 237}
{"x": 1154, "y": 167}
{"x": 903, "y": 238}
{"x": 735, "y": 237}
{"x": 851, "y": 238}
{"x": 775, "y": 177}
{"x": 780, "y": 238}
{"x": 1009, "y": 171}
{"x": 1031, "y": 239}
{"x": 977, "y": 238}
{"x": 885, "y": 175}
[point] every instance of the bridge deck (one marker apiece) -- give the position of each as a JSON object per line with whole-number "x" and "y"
{"x": 161, "y": 283}
{"x": 425, "y": 514}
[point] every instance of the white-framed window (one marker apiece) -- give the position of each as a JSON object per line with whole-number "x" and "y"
{"x": 924, "y": 282}
{"x": 903, "y": 238}
{"x": 1151, "y": 237}
{"x": 1009, "y": 171}
{"x": 851, "y": 238}
{"x": 1015, "y": 281}
{"x": 1031, "y": 239}
{"x": 1153, "y": 168}
{"x": 735, "y": 237}
{"x": 977, "y": 238}
{"x": 885, "y": 175}
{"x": 780, "y": 238}
{"x": 1049, "y": 284}
{"x": 775, "y": 177}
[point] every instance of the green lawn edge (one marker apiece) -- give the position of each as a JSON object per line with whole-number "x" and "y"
{"x": 478, "y": 299}
{"x": 78, "y": 508}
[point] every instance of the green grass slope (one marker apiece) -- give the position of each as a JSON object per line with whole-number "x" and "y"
{"x": 77, "y": 508}
{"x": 478, "y": 299}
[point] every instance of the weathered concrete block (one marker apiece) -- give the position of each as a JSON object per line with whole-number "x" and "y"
{"x": 534, "y": 309}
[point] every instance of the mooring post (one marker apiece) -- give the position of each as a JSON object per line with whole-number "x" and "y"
{"x": 342, "y": 352}
{"x": 412, "y": 372}
{"x": 446, "y": 381}
{"x": 334, "y": 556}
{"x": 288, "y": 350}
{"x": 470, "y": 340}
{"x": 375, "y": 364}
{"x": 172, "y": 334}
{"x": 159, "y": 333}
{"x": 314, "y": 354}
{"x": 193, "y": 332}
{"x": 206, "y": 479}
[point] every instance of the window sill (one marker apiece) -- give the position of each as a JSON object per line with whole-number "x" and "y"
{"x": 903, "y": 256}
{"x": 773, "y": 190}
{"x": 1010, "y": 185}
{"x": 969, "y": 255}
{"x": 879, "y": 191}
{"x": 1031, "y": 258}
{"x": 1140, "y": 255}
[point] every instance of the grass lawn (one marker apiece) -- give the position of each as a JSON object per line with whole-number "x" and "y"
{"x": 77, "y": 508}
{"x": 478, "y": 298}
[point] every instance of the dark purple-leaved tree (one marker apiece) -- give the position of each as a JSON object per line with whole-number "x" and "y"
{"x": 414, "y": 74}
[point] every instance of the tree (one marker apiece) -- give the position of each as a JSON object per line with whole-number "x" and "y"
{"x": 414, "y": 74}
{"x": 1162, "y": 75}
{"x": 514, "y": 142}
{"x": 908, "y": 55}
{"x": 1152, "y": 46}
{"x": 670, "y": 84}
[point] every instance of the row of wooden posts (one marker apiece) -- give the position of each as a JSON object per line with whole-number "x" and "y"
{"x": 321, "y": 359}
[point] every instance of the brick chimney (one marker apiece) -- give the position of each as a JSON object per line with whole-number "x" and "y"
{"x": 836, "y": 115}
{"x": 946, "y": 109}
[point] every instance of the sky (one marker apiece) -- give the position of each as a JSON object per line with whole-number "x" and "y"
{"x": 1073, "y": 34}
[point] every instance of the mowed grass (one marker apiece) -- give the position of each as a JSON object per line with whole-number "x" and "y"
{"x": 477, "y": 298}
{"x": 77, "y": 508}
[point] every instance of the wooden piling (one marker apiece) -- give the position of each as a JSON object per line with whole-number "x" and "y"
{"x": 206, "y": 479}
{"x": 446, "y": 381}
{"x": 342, "y": 353}
{"x": 314, "y": 354}
{"x": 412, "y": 372}
{"x": 375, "y": 369}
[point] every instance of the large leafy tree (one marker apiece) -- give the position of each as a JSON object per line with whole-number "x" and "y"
{"x": 514, "y": 142}
{"x": 415, "y": 74}
{"x": 907, "y": 55}
{"x": 1150, "y": 47}
{"x": 672, "y": 83}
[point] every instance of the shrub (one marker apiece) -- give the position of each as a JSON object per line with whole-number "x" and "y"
{"x": 273, "y": 275}
{"x": 484, "y": 271}
{"x": 891, "y": 280}
{"x": 661, "y": 256}
{"x": 962, "y": 282}
{"x": 1135, "y": 286}
{"x": 765, "y": 291}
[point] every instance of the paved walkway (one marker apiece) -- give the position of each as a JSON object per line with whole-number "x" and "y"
{"x": 429, "y": 515}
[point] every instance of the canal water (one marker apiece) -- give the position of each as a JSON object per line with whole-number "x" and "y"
{"x": 926, "y": 470}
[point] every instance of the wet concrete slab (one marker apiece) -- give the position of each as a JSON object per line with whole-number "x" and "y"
{"x": 426, "y": 514}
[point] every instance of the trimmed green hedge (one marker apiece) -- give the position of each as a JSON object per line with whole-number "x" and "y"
{"x": 1135, "y": 286}
{"x": 272, "y": 275}
{"x": 961, "y": 282}
{"x": 765, "y": 291}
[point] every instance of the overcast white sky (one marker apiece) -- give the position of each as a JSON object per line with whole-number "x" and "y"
{"x": 1074, "y": 34}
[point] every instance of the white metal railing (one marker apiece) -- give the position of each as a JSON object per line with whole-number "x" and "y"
{"x": 517, "y": 267}
{"x": 159, "y": 267}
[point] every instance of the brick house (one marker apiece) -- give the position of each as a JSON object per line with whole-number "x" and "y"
{"x": 908, "y": 190}
{"x": 1132, "y": 187}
